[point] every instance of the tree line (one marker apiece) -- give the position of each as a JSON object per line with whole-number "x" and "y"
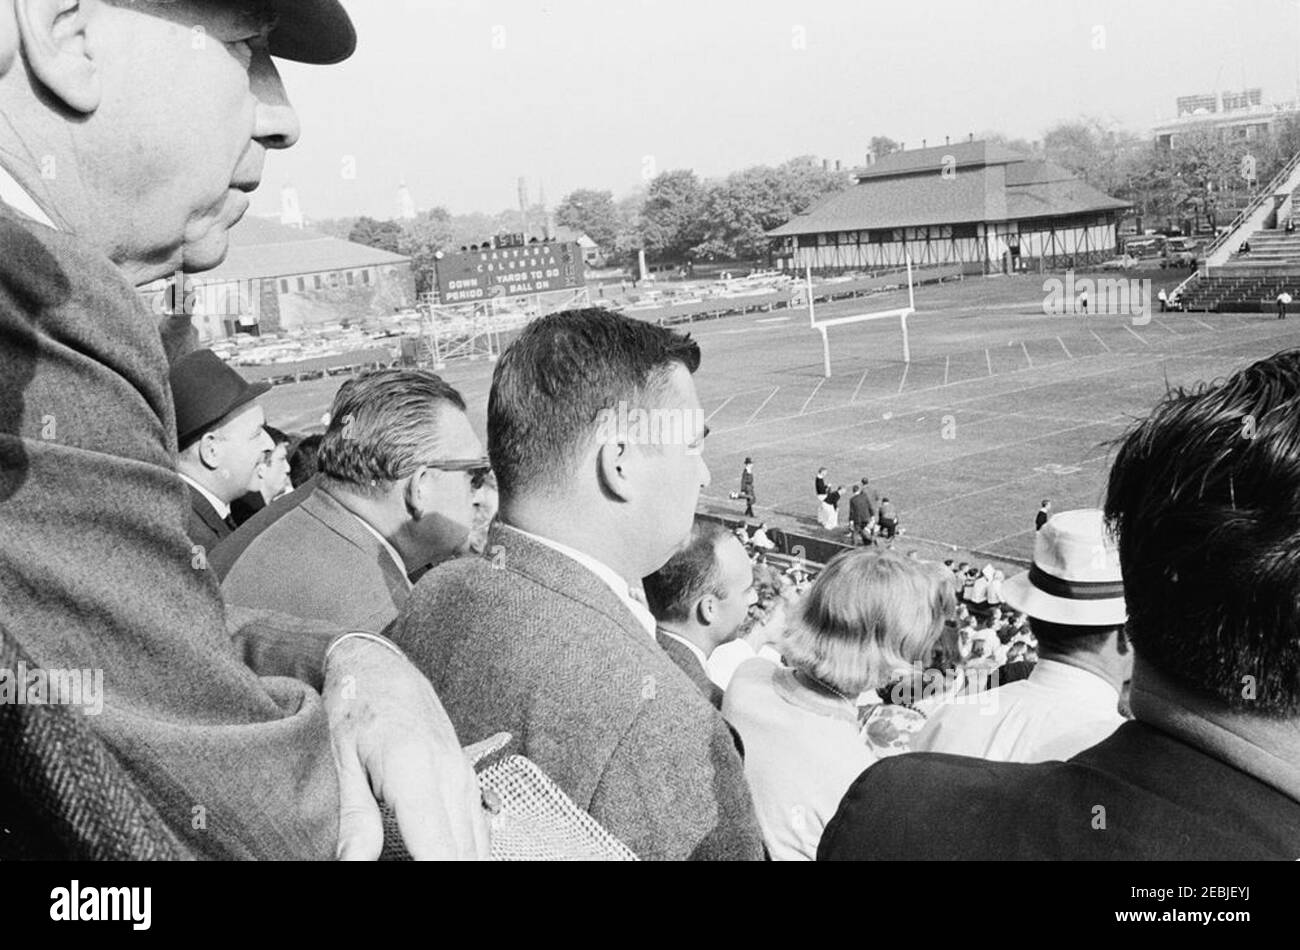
{"x": 677, "y": 217}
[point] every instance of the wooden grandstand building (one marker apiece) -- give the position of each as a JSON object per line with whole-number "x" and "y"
{"x": 976, "y": 204}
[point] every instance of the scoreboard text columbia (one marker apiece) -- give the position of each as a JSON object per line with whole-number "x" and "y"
{"x": 509, "y": 271}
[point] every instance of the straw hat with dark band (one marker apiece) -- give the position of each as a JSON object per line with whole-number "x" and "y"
{"x": 1075, "y": 579}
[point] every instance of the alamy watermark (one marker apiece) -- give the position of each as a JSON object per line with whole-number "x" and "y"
{"x": 634, "y": 425}
{"x": 54, "y": 687}
{"x": 1101, "y": 296}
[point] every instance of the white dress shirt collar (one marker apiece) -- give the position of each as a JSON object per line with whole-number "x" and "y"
{"x": 392, "y": 551}
{"x": 222, "y": 509}
{"x": 1086, "y": 687}
{"x": 19, "y": 199}
{"x": 613, "y": 580}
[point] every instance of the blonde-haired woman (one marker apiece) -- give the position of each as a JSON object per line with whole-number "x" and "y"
{"x": 868, "y": 619}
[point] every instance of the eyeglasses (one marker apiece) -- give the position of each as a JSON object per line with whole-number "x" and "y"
{"x": 479, "y": 469}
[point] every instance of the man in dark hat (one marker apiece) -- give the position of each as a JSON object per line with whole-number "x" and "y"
{"x": 221, "y": 434}
{"x": 101, "y": 190}
{"x": 747, "y": 487}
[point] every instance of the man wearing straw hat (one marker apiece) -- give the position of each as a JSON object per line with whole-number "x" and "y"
{"x": 1074, "y": 597}
{"x": 1202, "y": 503}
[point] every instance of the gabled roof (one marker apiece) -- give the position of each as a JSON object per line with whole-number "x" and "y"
{"x": 994, "y": 184}
{"x": 263, "y": 248}
{"x": 936, "y": 158}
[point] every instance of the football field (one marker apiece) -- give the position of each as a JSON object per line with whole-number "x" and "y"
{"x": 1000, "y": 407}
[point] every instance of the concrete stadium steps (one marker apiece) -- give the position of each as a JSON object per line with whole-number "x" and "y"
{"x": 1225, "y": 293}
{"x": 1269, "y": 247}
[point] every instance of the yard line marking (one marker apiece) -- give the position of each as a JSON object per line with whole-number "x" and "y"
{"x": 1100, "y": 340}
{"x": 860, "y": 382}
{"x": 1026, "y": 349}
{"x": 947, "y": 360}
{"x": 816, "y": 389}
{"x": 903, "y": 382}
{"x": 725, "y": 402}
{"x": 1166, "y": 326}
{"x": 1136, "y": 334}
{"x": 763, "y": 406}
{"x": 1204, "y": 324}
{"x": 1200, "y": 352}
{"x": 989, "y": 360}
{"x": 1068, "y": 354}
{"x": 772, "y": 320}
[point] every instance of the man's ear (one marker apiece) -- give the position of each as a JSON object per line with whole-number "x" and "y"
{"x": 613, "y": 464}
{"x": 53, "y": 34}
{"x": 208, "y": 450}
{"x": 415, "y": 493}
{"x": 706, "y": 610}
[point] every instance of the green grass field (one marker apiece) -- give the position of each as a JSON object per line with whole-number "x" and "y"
{"x": 1001, "y": 406}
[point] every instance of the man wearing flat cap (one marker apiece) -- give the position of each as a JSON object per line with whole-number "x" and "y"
{"x": 221, "y": 434}
{"x": 1074, "y": 598}
{"x": 132, "y": 133}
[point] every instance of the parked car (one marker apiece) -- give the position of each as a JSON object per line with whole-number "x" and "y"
{"x": 1180, "y": 253}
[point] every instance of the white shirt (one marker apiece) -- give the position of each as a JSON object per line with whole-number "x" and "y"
{"x": 222, "y": 509}
{"x": 392, "y": 551}
{"x": 1056, "y": 713}
{"x": 726, "y": 659}
{"x": 17, "y": 197}
{"x": 613, "y": 580}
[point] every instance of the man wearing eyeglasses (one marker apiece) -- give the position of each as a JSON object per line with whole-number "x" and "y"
{"x": 400, "y": 473}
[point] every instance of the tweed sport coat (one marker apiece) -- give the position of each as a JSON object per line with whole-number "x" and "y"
{"x": 526, "y": 640}
{"x": 96, "y": 571}
{"x": 315, "y": 561}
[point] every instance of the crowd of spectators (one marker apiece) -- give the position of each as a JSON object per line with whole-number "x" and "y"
{"x": 421, "y": 591}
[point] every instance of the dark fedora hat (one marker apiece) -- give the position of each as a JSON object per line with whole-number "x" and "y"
{"x": 205, "y": 391}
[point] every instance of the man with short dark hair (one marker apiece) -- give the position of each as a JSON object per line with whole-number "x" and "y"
{"x": 100, "y": 191}
{"x": 1202, "y": 502}
{"x": 1044, "y": 513}
{"x": 399, "y": 471}
{"x": 699, "y": 599}
{"x": 595, "y": 433}
{"x": 862, "y": 515}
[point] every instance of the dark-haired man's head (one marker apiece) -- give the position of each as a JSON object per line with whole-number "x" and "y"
{"x": 595, "y": 433}
{"x": 302, "y": 460}
{"x": 400, "y": 454}
{"x": 705, "y": 590}
{"x": 1204, "y": 497}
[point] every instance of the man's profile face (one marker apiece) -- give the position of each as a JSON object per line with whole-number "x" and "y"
{"x": 445, "y": 526}
{"x": 239, "y": 445}
{"x": 191, "y": 102}
{"x": 675, "y": 470}
{"x": 737, "y": 579}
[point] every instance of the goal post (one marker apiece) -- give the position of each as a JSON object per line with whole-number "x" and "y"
{"x": 901, "y": 313}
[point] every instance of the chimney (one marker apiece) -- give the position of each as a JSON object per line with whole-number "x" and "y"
{"x": 971, "y": 137}
{"x": 946, "y": 140}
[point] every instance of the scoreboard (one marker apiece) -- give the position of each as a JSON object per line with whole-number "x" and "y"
{"x": 509, "y": 271}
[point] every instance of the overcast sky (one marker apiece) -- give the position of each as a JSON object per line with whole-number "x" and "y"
{"x": 462, "y": 98}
